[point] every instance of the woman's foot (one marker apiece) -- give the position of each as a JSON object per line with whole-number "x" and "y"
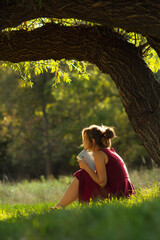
{"x": 54, "y": 208}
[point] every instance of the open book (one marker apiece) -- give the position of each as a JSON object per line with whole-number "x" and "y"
{"x": 89, "y": 158}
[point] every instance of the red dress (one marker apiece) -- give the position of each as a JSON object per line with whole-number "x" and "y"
{"x": 118, "y": 182}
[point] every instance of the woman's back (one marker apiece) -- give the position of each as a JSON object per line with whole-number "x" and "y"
{"x": 116, "y": 168}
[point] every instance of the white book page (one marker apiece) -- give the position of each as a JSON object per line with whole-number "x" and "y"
{"x": 89, "y": 158}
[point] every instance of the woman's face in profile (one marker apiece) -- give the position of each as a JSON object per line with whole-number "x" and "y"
{"x": 86, "y": 142}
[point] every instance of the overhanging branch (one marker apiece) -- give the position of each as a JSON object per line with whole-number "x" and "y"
{"x": 137, "y": 16}
{"x": 56, "y": 42}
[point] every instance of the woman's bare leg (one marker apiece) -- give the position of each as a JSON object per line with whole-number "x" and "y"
{"x": 70, "y": 195}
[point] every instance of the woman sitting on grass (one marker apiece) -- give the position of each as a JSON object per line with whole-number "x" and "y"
{"x": 111, "y": 178}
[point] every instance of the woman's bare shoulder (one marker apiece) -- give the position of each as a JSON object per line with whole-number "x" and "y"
{"x": 99, "y": 154}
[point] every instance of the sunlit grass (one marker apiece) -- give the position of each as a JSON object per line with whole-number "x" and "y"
{"x": 10, "y": 211}
{"x": 16, "y": 211}
{"x": 24, "y": 212}
{"x": 133, "y": 218}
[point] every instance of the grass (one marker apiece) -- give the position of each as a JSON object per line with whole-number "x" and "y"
{"x": 34, "y": 192}
{"x": 44, "y": 191}
{"x": 24, "y": 214}
{"x": 145, "y": 178}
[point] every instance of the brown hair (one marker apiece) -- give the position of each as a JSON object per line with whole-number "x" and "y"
{"x": 101, "y": 134}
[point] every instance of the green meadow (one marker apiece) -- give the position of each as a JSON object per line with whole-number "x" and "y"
{"x": 24, "y": 212}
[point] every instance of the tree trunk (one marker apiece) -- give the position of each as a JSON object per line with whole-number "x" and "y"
{"x": 47, "y": 145}
{"x": 47, "y": 150}
{"x": 140, "y": 94}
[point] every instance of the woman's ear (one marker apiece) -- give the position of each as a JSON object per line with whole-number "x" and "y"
{"x": 93, "y": 141}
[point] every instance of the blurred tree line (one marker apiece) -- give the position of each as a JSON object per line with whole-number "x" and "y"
{"x": 40, "y": 126}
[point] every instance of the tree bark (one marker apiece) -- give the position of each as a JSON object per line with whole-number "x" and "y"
{"x": 137, "y": 16}
{"x": 134, "y": 16}
{"x": 139, "y": 92}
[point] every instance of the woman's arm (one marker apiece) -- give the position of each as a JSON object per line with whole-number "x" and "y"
{"x": 100, "y": 177}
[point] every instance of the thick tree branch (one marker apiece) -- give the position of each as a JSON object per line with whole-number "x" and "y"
{"x": 141, "y": 16}
{"x": 137, "y": 16}
{"x": 56, "y": 42}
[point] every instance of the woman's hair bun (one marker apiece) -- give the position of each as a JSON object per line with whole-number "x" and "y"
{"x": 109, "y": 133}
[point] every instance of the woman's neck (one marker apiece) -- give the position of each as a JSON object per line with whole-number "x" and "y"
{"x": 95, "y": 149}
